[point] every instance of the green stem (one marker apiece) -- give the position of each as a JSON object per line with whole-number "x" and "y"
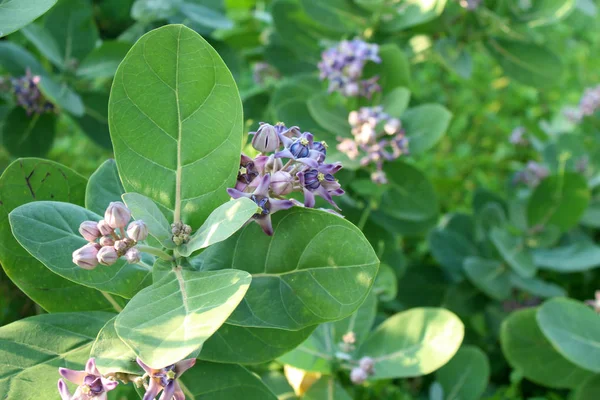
{"x": 155, "y": 252}
{"x": 365, "y": 215}
{"x": 112, "y": 301}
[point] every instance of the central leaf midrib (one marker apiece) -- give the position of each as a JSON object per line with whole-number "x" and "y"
{"x": 177, "y": 211}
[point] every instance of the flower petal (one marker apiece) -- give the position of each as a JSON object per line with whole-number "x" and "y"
{"x": 184, "y": 365}
{"x": 63, "y": 390}
{"x": 263, "y": 186}
{"x": 76, "y": 377}
{"x": 144, "y": 366}
{"x": 236, "y": 194}
{"x": 178, "y": 395}
{"x": 153, "y": 389}
{"x": 109, "y": 384}
{"x": 278, "y": 205}
{"x": 91, "y": 369}
{"x": 169, "y": 391}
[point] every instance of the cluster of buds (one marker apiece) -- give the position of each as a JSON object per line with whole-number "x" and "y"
{"x": 588, "y": 105}
{"x": 263, "y": 72}
{"x": 470, "y": 4}
{"x": 517, "y": 137}
{"x": 378, "y": 137}
{"x": 595, "y": 304}
{"x": 27, "y": 94}
{"x": 531, "y": 175}
{"x": 365, "y": 369}
{"x": 181, "y": 233}
{"x": 166, "y": 379}
{"x": 106, "y": 245}
{"x": 342, "y": 66}
{"x": 266, "y": 180}
{"x": 92, "y": 385}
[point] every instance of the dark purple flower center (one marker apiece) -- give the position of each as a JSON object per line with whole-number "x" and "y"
{"x": 94, "y": 383}
{"x": 247, "y": 173}
{"x": 299, "y": 148}
{"x": 263, "y": 203}
{"x": 165, "y": 376}
{"x": 321, "y": 147}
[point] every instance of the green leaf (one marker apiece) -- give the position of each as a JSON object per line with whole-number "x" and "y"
{"x": 537, "y": 287}
{"x": 337, "y": 15}
{"x": 143, "y": 208}
{"x": 62, "y": 95}
{"x": 525, "y": 62}
{"x": 28, "y": 135}
{"x": 527, "y": 350}
{"x": 28, "y": 180}
{"x": 153, "y": 10}
{"x": 172, "y": 318}
{"x": 425, "y": 125}
{"x": 578, "y": 256}
{"x": 396, "y": 101}
{"x": 44, "y": 42}
{"x": 15, "y": 60}
{"x": 466, "y": 376}
{"x": 451, "y": 249}
{"x": 111, "y": 354}
{"x": 542, "y": 12}
{"x": 181, "y": 149}
{"x": 102, "y": 62}
{"x": 32, "y": 350}
{"x": 559, "y": 200}
{"x": 393, "y": 70}
{"x": 413, "y": 343}
{"x": 71, "y": 23}
{"x": 220, "y": 224}
{"x": 326, "y": 388}
{"x": 316, "y": 267}
{"x": 49, "y": 231}
{"x": 514, "y": 252}
{"x": 490, "y": 276}
{"x": 589, "y": 389}
{"x": 94, "y": 121}
{"x": 386, "y": 283}
{"x": 330, "y": 114}
{"x": 205, "y": 16}
{"x": 103, "y": 187}
{"x": 573, "y": 329}
{"x": 209, "y": 381}
{"x": 279, "y": 385}
{"x": 454, "y": 57}
{"x": 15, "y": 14}
{"x": 411, "y": 13}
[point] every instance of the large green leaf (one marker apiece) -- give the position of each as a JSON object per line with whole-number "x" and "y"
{"x": 49, "y": 231}
{"x": 559, "y": 200}
{"x": 220, "y": 224}
{"x": 111, "y": 353}
{"x": 425, "y": 125}
{"x": 542, "y": 12}
{"x": 175, "y": 119}
{"x": 103, "y": 61}
{"x": 413, "y": 343}
{"x": 28, "y": 135}
{"x": 526, "y": 349}
{"x": 15, "y": 14}
{"x": 94, "y": 121}
{"x": 514, "y": 252}
{"x": 466, "y": 376}
{"x": 28, "y": 180}
{"x": 209, "y": 381}
{"x": 103, "y": 187}
{"x": 525, "y": 62}
{"x": 574, "y": 330}
{"x": 490, "y": 276}
{"x": 411, "y": 13}
{"x": 574, "y": 257}
{"x": 589, "y": 389}
{"x": 337, "y": 15}
{"x": 173, "y": 317}
{"x": 326, "y": 388}
{"x": 143, "y": 208}
{"x": 316, "y": 267}
{"x": 32, "y": 350}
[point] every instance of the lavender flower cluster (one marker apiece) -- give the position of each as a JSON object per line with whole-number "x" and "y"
{"x": 364, "y": 368}
{"x": 342, "y": 65}
{"x": 105, "y": 245}
{"x": 266, "y": 179}
{"x": 27, "y": 94}
{"x": 588, "y": 105}
{"x": 531, "y": 175}
{"x": 378, "y": 137}
{"x": 517, "y": 136}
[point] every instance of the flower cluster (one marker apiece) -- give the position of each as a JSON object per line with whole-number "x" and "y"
{"x": 106, "y": 245}
{"x": 470, "y": 4}
{"x": 342, "y": 65}
{"x": 531, "y": 175}
{"x": 378, "y": 137}
{"x": 365, "y": 369}
{"x": 588, "y": 105}
{"x": 27, "y": 94}
{"x": 91, "y": 384}
{"x": 181, "y": 233}
{"x": 166, "y": 379}
{"x": 517, "y": 137}
{"x": 266, "y": 180}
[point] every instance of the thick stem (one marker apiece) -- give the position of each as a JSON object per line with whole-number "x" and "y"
{"x": 155, "y": 252}
{"x": 112, "y": 301}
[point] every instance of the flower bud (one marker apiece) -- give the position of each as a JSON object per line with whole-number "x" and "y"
{"x": 266, "y": 139}
{"x": 137, "y": 231}
{"x": 121, "y": 246}
{"x": 367, "y": 364}
{"x": 104, "y": 228}
{"x": 117, "y": 215}
{"x": 281, "y": 183}
{"x": 132, "y": 256}
{"x": 85, "y": 257}
{"x": 392, "y": 126}
{"x": 107, "y": 255}
{"x": 358, "y": 376}
{"x": 107, "y": 241}
{"x": 89, "y": 230}
{"x": 273, "y": 164}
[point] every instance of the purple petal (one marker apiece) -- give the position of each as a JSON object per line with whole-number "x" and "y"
{"x": 260, "y": 162}
{"x": 76, "y": 377}
{"x": 285, "y": 153}
{"x": 184, "y": 365}
{"x": 236, "y": 194}
{"x": 321, "y": 191}
{"x": 178, "y": 395}
{"x": 278, "y": 205}
{"x": 287, "y": 142}
{"x": 308, "y": 161}
{"x": 240, "y": 186}
{"x": 144, "y": 366}
{"x": 109, "y": 384}
{"x": 309, "y": 199}
{"x": 169, "y": 391}
{"x": 91, "y": 369}
{"x": 153, "y": 389}
{"x": 330, "y": 168}
{"x": 63, "y": 390}
{"x": 263, "y": 186}
{"x": 265, "y": 224}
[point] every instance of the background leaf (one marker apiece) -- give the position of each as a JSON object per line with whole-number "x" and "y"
{"x": 143, "y": 208}
{"x": 466, "y": 375}
{"x": 103, "y": 187}
{"x": 425, "y": 125}
{"x": 514, "y": 252}
{"x": 15, "y": 14}
{"x": 111, "y": 354}
{"x": 28, "y": 135}
{"x": 102, "y": 62}
{"x": 337, "y": 15}
{"x": 411, "y": 13}
{"x": 490, "y": 276}
{"x": 94, "y": 121}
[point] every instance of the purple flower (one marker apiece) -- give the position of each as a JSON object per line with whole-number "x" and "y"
{"x": 92, "y": 385}
{"x": 266, "y": 205}
{"x": 517, "y": 137}
{"x": 301, "y": 149}
{"x": 28, "y": 95}
{"x": 320, "y": 181}
{"x": 166, "y": 379}
{"x": 266, "y": 138}
{"x": 247, "y": 172}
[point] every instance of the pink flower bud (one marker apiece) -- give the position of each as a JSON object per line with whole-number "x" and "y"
{"x": 89, "y": 230}
{"x": 266, "y": 139}
{"x": 107, "y": 241}
{"x": 117, "y": 215}
{"x": 367, "y": 364}
{"x": 281, "y": 183}
{"x": 107, "y": 255}
{"x": 137, "y": 230}
{"x": 121, "y": 246}
{"x": 132, "y": 256}
{"x": 104, "y": 228}
{"x": 85, "y": 257}
{"x": 358, "y": 376}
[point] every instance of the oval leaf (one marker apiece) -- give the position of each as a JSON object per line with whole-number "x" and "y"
{"x": 466, "y": 376}
{"x": 15, "y": 14}
{"x": 514, "y": 252}
{"x": 425, "y": 125}
{"x": 103, "y": 187}
{"x": 111, "y": 354}
{"x": 490, "y": 276}
{"x": 142, "y": 208}
{"x": 28, "y": 135}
